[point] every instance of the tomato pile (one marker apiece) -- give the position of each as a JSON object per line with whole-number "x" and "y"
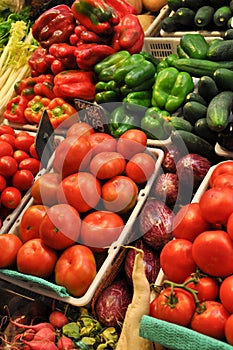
{"x": 19, "y": 163}
{"x": 80, "y": 207}
{"x": 198, "y": 288}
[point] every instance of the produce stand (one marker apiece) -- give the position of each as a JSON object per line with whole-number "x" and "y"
{"x": 178, "y": 137}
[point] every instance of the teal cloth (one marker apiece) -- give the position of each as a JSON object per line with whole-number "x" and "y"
{"x": 61, "y": 291}
{"x": 177, "y": 337}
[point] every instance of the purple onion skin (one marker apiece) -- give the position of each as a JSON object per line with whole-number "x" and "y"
{"x": 192, "y": 168}
{"x": 112, "y": 304}
{"x": 166, "y": 188}
{"x": 155, "y": 223}
{"x": 151, "y": 261}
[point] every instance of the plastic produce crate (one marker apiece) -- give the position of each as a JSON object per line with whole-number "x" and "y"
{"x": 155, "y": 27}
{"x": 173, "y": 336}
{"x": 49, "y": 289}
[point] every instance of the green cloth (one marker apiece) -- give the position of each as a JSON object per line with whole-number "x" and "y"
{"x": 177, "y": 337}
{"x": 40, "y": 282}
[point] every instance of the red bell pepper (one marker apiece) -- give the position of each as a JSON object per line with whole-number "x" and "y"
{"x": 54, "y": 26}
{"x": 35, "y": 107}
{"x": 40, "y": 61}
{"x": 59, "y": 111}
{"x": 128, "y": 35}
{"x": 95, "y": 15}
{"x": 64, "y": 57}
{"x": 15, "y": 110}
{"x": 87, "y": 55}
{"x": 121, "y": 7}
{"x": 72, "y": 84}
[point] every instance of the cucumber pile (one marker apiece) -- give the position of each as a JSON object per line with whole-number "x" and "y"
{"x": 210, "y": 15}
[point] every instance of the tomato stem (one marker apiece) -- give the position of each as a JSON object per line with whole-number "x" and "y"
{"x": 184, "y": 286}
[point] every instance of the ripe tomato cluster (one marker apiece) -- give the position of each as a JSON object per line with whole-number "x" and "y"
{"x": 19, "y": 163}
{"x": 198, "y": 289}
{"x": 80, "y": 207}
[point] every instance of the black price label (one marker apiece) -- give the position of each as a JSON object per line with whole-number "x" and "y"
{"x": 92, "y": 114}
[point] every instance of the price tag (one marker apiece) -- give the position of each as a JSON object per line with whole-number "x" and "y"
{"x": 92, "y": 114}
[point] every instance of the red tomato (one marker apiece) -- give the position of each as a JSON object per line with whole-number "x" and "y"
{"x": 131, "y": 142}
{"x": 140, "y": 167}
{"x": 229, "y": 330}
{"x": 33, "y": 151}
{"x": 106, "y": 165}
{"x": 8, "y": 166}
{"x": 8, "y": 138}
{"x": 20, "y": 155}
{"x": 176, "y": 260}
{"x": 44, "y": 189}
{"x": 212, "y": 320}
{"x": 10, "y": 245}
{"x": 30, "y": 222}
{"x": 36, "y": 258}
{"x": 23, "y": 179}
{"x": 229, "y": 226}
{"x": 2, "y": 183}
{"x": 119, "y": 194}
{"x": 226, "y": 293}
{"x": 6, "y": 149}
{"x": 31, "y": 164}
{"x": 77, "y": 260}
{"x": 60, "y": 226}
{"x": 80, "y": 129}
{"x": 177, "y": 307}
{"x": 5, "y": 129}
{"x": 221, "y": 168}
{"x": 102, "y": 142}
{"x": 71, "y": 155}
{"x": 100, "y": 229}
{"x": 81, "y": 190}
{"x": 188, "y": 222}
{"x": 216, "y": 204}
{"x": 11, "y": 197}
{"x": 207, "y": 287}
{"x": 212, "y": 251}
{"x": 23, "y": 141}
{"x": 223, "y": 180}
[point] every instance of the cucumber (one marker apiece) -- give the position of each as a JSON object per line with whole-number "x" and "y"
{"x": 218, "y": 111}
{"x": 230, "y": 22}
{"x": 185, "y": 16}
{"x": 224, "y": 79}
{"x": 169, "y": 24}
{"x": 198, "y": 67}
{"x": 204, "y": 16}
{"x": 194, "y": 143}
{"x": 221, "y": 50}
{"x": 192, "y": 4}
{"x": 222, "y": 15}
{"x": 192, "y": 111}
{"x": 194, "y": 96}
{"x": 228, "y": 35}
{"x": 195, "y": 45}
{"x": 207, "y": 87}
{"x": 231, "y": 5}
{"x": 202, "y": 129}
{"x": 177, "y": 123}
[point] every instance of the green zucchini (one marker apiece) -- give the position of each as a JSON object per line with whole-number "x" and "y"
{"x": 193, "y": 110}
{"x": 194, "y": 143}
{"x": 221, "y": 50}
{"x": 231, "y": 5}
{"x": 202, "y": 129}
{"x": 221, "y": 16}
{"x": 230, "y": 22}
{"x": 195, "y": 45}
{"x": 204, "y": 16}
{"x": 192, "y": 4}
{"x": 169, "y": 24}
{"x": 177, "y": 123}
{"x": 224, "y": 79}
{"x": 228, "y": 35}
{"x": 199, "y": 67}
{"x": 218, "y": 111}
{"x": 194, "y": 96}
{"x": 207, "y": 87}
{"x": 185, "y": 16}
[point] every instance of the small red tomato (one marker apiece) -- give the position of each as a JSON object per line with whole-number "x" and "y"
{"x": 226, "y": 293}
{"x": 11, "y": 197}
{"x": 106, "y": 165}
{"x": 5, "y": 129}
{"x": 140, "y": 167}
{"x": 8, "y": 166}
{"x": 131, "y": 142}
{"x": 207, "y": 287}
{"x": 23, "y": 141}
{"x": 229, "y": 330}
{"x": 102, "y": 142}
{"x": 80, "y": 129}
{"x": 33, "y": 151}
{"x": 10, "y": 245}
{"x": 8, "y": 138}
{"x": 31, "y": 164}
{"x": 6, "y": 148}
{"x": 2, "y": 183}
{"x": 23, "y": 179}
{"x": 20, "y": 155}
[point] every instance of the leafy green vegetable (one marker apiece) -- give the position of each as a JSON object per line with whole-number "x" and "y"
{"x": 12, "y": 5}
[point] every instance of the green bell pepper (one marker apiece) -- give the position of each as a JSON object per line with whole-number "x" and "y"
{"x": 120, "y": 121}
{"x": 171, "y": 88}
{"x": 107, "y": 96}
{"x": 107, "y": 86}
{"x": 130, "y": 63}
{"x": 146, "y": 85}
{"x": 152, "y": 123}
{"x": 106, "y": 68}
{"x": 142, "y": 98}
{"x": 145, "y": 71}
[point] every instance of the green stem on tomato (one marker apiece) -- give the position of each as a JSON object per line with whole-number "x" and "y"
{"x": 184, "y": 286}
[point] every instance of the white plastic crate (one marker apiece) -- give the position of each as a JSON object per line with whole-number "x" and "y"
{"x": 42, "y": 288}
{"x": 155, "y": 27}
